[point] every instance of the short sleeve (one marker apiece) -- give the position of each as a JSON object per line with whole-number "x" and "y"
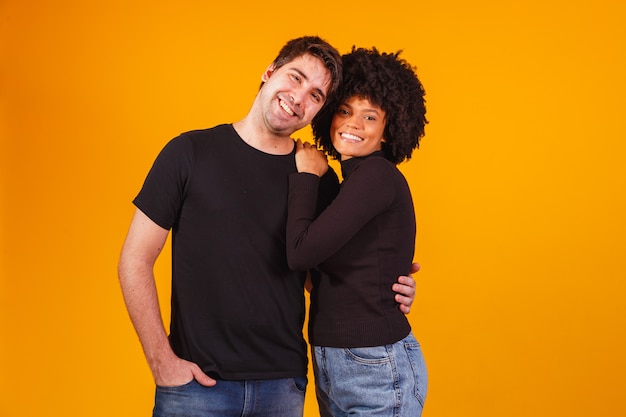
{"x": 164, "y": 188}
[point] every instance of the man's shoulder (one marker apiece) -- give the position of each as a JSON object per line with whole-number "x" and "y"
{"x": 218, "y": 131}
{"x": 218, "y": 138}
{"x": 193, "y": 143}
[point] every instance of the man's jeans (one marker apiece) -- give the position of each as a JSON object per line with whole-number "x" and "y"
{"x": 386, "y": 381}
{"x": 263, "y": 398}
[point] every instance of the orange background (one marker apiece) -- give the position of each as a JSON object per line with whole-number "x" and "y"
{"x": 519, "y": 187}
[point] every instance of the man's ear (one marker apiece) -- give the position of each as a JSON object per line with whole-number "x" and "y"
{"x": 268, "y": 73}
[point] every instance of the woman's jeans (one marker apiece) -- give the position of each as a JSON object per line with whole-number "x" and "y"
{"x": 262, "y": 398}
{"x": 389, "y": 381}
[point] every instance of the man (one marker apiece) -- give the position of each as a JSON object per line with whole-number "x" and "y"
{"x": 235, "y": 345}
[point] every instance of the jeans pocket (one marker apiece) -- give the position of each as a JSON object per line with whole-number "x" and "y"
{"x": 368, "y": 355}
{"x": 175, "y": 388}
{"x": 299, "y": 383}
{"x": 418, "y": 365}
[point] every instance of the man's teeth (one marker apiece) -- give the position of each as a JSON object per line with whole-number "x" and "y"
{"x": 286, "y": 108}
{"x": 350, "y": 136}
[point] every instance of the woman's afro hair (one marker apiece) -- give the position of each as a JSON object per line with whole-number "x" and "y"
{"x": 388, "y": 81}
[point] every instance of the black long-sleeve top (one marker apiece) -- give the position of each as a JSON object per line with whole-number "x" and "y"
{"x": 360, "y": 244}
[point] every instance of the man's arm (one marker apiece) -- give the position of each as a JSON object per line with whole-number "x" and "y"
{"x": 405, "y": 289}
{"x": 141, "y": 249}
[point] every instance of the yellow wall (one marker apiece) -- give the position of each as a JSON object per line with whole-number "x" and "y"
{"x": 519, "y": 187}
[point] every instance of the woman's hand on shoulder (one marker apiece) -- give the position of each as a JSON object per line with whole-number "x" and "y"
{"x": 309, "y": 159}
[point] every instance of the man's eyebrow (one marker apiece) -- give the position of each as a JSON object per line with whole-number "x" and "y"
{"x": 303, "y": 75}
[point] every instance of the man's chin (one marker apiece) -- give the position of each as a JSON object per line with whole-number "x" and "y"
{"x": 288, "y": 129}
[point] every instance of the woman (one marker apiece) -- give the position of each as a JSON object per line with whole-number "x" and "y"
{"x": 366, "y": 359}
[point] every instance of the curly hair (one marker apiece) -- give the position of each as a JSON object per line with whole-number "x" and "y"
{"x": 388, "y": 81}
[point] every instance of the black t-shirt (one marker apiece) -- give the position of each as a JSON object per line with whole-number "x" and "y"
{"x": 237, "y": 308}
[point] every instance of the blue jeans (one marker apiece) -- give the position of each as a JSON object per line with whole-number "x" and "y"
{"x": 389, "y": 381}
{"x": 259, "y": 398}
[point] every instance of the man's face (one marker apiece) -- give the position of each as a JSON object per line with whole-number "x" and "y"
{"x": 294, "y": 93}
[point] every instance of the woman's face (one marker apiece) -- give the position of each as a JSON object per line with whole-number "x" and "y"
{"x": 357, "y": 128}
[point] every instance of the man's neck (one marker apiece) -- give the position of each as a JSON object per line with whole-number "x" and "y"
{"x": 259, "y": 138}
